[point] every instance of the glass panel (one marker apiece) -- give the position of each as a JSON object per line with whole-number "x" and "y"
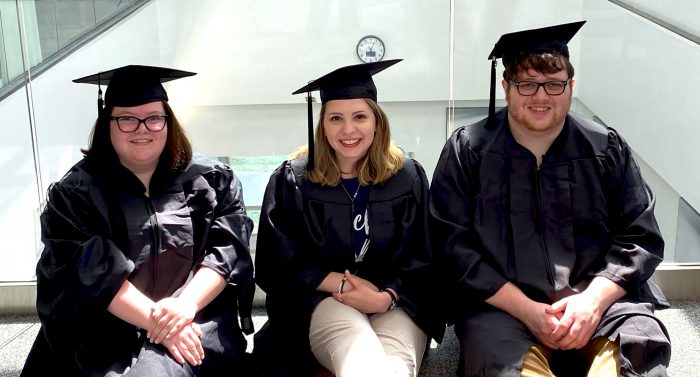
{"x": 682, "y": 15}
{"x": 106, "y": 8}
{"x": 688, "y": 235}
{"x": 49, "y": 26}
{"x": 250, "y": 56}
{"x": 73, "y": 18}
{"x": 3, "y": 57}
{"x": 12, "y": 49}
{"x": 46, "y": 17}
{"x": 243, "y": 113}
{"x": 254, "y": 171}
{"x": 19, "y": 199}
{"x": 265, "y": 52}
{"x": 617, "y": 57}
{"x": 622, "y": 55}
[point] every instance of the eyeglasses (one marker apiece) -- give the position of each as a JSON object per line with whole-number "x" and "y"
{"x": 530, "y": 88}
{"x": 153, "y": 123}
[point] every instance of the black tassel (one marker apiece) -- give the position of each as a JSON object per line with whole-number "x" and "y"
{"x": 492, "y": 98}
{"x": 99, "y": 96}
{"x": 99, "y": 100}
{"x": 310, "y": 117}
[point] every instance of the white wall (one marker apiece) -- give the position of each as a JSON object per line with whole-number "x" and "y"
{"x": 19, "y": 201}
{"x": 251, "y": 55}
{"x": 64, "y": 111}
{"x": 259, "y": 52}
{"x": 682, "y": 13}
{"x": 19, "y": 195}
{"x": 64, "y": 114}
{"x": 417, "y": 127}
{"x": 666, "y": 211}
{"x": 479, "y": 25}
{"x": 641, "y": 80}
{"x": 246, "y": 54}
{"x": 12, "y": 52}
{"x": 667, "y": 199}
{"x": 12, "y": 49}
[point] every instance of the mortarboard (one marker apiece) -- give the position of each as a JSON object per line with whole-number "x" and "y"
{"x": 510, "y": 47}
{"x": 133, "y": 85}
{"x": 353, "y": 81}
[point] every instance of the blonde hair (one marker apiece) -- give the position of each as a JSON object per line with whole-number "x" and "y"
{"x": 382, "y": 161}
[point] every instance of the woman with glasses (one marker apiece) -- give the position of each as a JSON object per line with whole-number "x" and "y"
{"x": 342, "y": 250}
{"x": 146, "y": 264}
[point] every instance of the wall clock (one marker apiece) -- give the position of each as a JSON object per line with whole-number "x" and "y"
{"x": 370, "y": 49}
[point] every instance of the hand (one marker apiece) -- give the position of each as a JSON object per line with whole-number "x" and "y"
{"x": 186, "y": 346}
{"x": 168, "y": 316}
{"x": 362, "y": 295}
{"x": 541, "y": 321}
{"x": 580, "y": 316}
{"x": 360, "y": 281}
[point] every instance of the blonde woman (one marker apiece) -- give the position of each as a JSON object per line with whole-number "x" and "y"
{"x": 343, "y": 251}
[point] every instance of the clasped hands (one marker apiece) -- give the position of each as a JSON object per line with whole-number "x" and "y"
{"x": 362, "y": 295}
{"x": 170, "y": 324}
{"x": 566, "y": 324}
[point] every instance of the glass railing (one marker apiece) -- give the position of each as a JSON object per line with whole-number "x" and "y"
{"x": 681, "y": 18}
{"x": 35, "y": 34}
{"x": 251, "y": 55}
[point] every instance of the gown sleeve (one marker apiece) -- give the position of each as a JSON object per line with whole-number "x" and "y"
{"x": 80, "y": 270}
{"x": 411, "y": 269}
{"x": 413, "y": 275}
{"x": 456, "y": 244}
{"x": 281, "y": 266}
{"x": 227, "y": 246}
{"x": 636, "y": 247}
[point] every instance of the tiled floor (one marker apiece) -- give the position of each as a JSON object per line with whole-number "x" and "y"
{"x": 17, "y": 334}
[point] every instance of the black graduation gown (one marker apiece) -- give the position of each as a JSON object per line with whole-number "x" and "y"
{"x": 99, "y": 229}
{"x": 306, "y": 232}
{"x": 586, "y": 212}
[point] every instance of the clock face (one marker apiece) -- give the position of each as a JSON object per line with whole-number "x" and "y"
{"x": 370, "y": 49}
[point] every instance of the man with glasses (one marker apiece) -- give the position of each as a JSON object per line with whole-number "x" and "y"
{"x": 546, "y": 231}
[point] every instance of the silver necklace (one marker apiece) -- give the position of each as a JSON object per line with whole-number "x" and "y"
{"x": 365, "y": 246}
{"x": 353, "y": 196}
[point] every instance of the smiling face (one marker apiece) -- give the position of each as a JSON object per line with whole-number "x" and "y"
{"x": 138, "y": 151}
{"x": 349, "y": 126}
{"x": 540, "y": 113}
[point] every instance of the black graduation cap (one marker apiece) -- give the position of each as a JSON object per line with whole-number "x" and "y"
{"x": 353, "y": 81}
{"x": 133, "y": 85}
{"x": 512, "y": 46}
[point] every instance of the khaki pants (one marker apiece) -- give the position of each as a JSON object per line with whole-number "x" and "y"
{"x": 603, "y": 354}
{"x": 350, "y": 343}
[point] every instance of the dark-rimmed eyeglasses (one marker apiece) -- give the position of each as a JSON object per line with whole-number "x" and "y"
{"x": 530, "y": 88}
{"x": 129, "y": 123}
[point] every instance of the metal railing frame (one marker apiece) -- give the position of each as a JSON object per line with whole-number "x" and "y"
{"x": 88, "y": 35}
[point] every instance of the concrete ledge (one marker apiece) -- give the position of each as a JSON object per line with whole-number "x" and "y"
{"x": 679, "y": 281}
{"x": 259, "y": 299}
{"x": 18, "y": 298}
